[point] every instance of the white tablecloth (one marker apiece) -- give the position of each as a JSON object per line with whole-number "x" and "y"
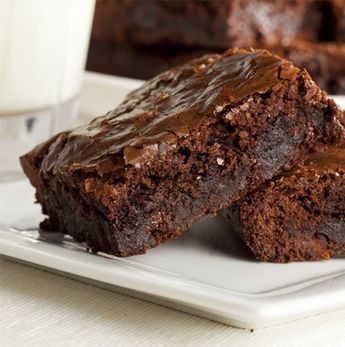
{"x": 39, "y": 308}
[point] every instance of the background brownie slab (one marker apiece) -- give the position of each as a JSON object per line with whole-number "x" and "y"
{"x": 206, "y": 24}
{"x": 141, "y": 62}
{"x": 189, "y": 142}
{"x": 298, "y": 216}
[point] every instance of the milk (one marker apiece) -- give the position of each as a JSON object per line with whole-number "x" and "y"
{"x": 43, "y": 47}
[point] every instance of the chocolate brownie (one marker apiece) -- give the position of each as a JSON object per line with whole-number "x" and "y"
{"x": 187, "y": 143}
{"x": 209, "y": 24}
{"x": 324, "y": 61}
{"x": 299, "y": 215}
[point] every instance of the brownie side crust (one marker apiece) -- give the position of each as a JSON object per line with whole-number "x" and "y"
{"x": 299, "y": 215}
{"x": 187, "y": 143}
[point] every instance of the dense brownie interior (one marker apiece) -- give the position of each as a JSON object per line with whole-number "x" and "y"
{"x": 299, "y": 215}
{"x": 189, "y": 142}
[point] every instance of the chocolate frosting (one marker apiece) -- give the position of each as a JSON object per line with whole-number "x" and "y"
{"x": 166, "y": 108}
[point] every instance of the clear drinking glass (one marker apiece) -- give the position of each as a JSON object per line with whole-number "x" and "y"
{"x": 43, "y": 48}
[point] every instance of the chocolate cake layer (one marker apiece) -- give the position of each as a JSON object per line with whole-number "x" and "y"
{"x": 187, "y": 143}
{"x": 299, "y": 215}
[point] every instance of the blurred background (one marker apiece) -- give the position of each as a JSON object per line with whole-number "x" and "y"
{"x": 140, "y": 39}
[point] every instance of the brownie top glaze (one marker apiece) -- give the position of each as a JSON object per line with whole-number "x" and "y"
{"x": 331, "y": 159}
{"x": 165, "y": 108}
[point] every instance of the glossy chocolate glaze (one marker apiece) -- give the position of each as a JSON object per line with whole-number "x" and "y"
{"x": 166, "y": 108}
{"x": 331, "y": 159}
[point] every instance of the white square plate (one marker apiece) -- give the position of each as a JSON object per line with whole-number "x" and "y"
{"x": 208, "y": 271}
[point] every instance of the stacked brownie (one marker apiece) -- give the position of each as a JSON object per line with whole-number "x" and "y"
{"x": 300, "y": 214}
{"x": 140, "y": 39}
{"x": 189, "y": 142}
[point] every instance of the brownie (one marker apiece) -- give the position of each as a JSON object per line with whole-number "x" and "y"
{"x": 324, "y": 61}
{"x": 299, "y": 215}
{"x": 211, "y": 24}
{"x": 187, "y": 143}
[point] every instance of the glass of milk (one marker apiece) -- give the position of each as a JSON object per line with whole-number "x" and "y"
{"x": 43, "y": 48}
